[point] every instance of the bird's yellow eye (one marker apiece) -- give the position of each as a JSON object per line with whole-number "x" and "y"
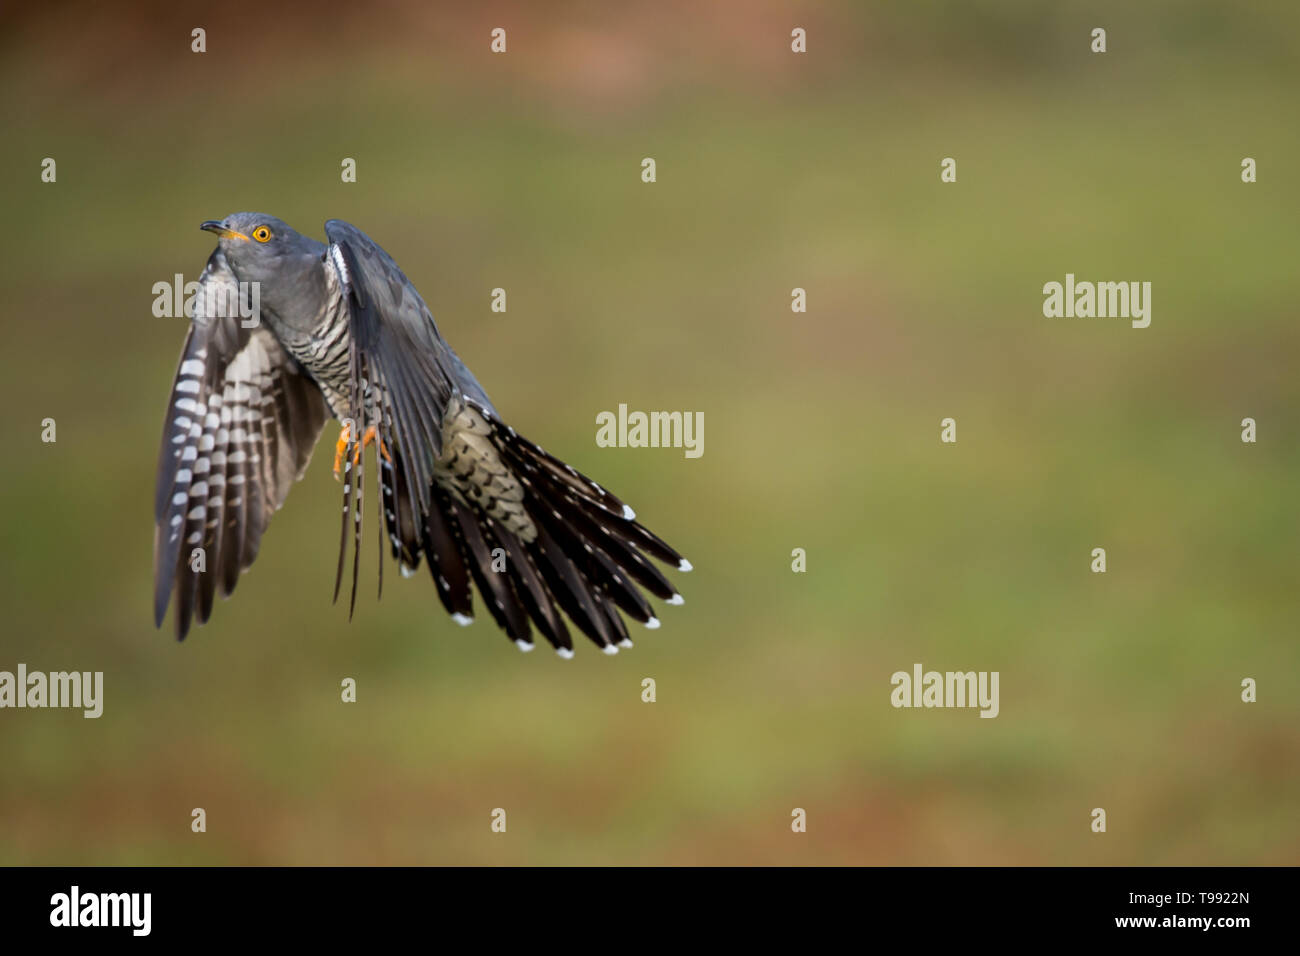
{"x": 262, "y": 234}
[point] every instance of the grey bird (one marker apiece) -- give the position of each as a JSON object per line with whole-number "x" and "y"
{"x": 342, "y": 333}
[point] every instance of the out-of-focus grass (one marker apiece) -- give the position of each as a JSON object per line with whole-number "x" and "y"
{"x": 821, "y": 432}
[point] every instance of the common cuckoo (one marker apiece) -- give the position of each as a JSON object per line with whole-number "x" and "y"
{"x": 342, "y": 333}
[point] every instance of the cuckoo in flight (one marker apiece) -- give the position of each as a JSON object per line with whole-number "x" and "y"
{"x": 342, "y": 333}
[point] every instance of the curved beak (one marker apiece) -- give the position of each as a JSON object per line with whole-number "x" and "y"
{"x": 211, "y": 225}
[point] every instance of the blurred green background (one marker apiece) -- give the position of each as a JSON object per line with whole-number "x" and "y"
{"x": 822, "y": 430}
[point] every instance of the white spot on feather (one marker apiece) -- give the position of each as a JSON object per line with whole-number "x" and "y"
{"x": 336, "y": 253}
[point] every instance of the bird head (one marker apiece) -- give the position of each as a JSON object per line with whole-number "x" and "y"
{"x": 285, "y": 265}
{"x": 261, "y": 248}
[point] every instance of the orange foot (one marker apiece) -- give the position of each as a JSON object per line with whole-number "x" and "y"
{"x": 345, "y": 439}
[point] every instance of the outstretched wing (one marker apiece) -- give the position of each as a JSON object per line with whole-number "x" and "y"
{"x": 461, "y": 488}
{"x": 240, "y": 428}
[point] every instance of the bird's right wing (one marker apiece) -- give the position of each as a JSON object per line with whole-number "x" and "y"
{"x": 241, "y": 424}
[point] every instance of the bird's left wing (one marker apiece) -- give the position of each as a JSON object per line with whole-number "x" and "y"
{"x": 240, "y": 428}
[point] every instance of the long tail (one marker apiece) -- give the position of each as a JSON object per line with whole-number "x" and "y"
{"x": 539, "y": 540}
